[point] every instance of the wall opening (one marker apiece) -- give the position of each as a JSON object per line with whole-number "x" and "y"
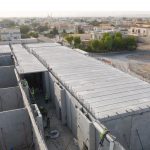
{"x": 34, "y": 80}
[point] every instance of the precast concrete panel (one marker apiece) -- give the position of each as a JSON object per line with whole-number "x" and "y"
{"x": 121, "y": 128}
{"x": 52, "y": 89}
{"x": 106, "y": 92}
{"x": 6, "y": 60}
{"x": 85, "y": 131}
{"x": 15, "y": 130}
{"x": 7, "y": 77}
{"x": 140, "y": 132}
{"x": 46, "y": 83}
{"x": 71, "y": 106}
{"x": 60, "y": 102}
{"x": 132, "y": 131}
{"x": 10, "y": 98}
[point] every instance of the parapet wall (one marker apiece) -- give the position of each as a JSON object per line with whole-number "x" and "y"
{"x": 15, "y": 130}
{"x": 6, "y": 60}
{"x": 10, "y": 98}
{"x": 7, "y": 77}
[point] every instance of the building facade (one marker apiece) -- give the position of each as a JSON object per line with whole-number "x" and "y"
{"x": 10, "y": 34}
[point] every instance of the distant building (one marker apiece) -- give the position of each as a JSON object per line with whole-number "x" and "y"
{"x": 140, "y": 31}
{"x": 84, "y": 37}
{"x": 9, "y": 34}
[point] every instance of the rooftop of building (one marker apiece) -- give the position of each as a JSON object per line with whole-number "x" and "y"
{"x": 27, "y": 63}
{"x": 105, "y": 91}
{"x": 5, "y": 49}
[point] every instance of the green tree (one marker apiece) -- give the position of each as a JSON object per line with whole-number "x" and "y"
{"x": 77, "y": 41}
{"x": 24, "y": 29}
{"x": 33, "y": 34}
{"x": 130, "y": 43}
{"x": 108, "y": 42}
{"x": 95, "y": 45}
{"x": 118, "y": 34}
{"x": 42, "y": 28}
{"x": 69, "y": 39}
{"x": 118, "y": 41}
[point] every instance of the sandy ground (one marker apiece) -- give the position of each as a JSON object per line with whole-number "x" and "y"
{"x": 135, "y": 63}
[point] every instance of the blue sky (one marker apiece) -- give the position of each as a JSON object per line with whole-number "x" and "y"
{"x": 62, "y": 7}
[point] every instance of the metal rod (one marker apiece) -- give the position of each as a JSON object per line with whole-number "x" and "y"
{"x": 139, "y": 139}
{"x": 3, "y": 139}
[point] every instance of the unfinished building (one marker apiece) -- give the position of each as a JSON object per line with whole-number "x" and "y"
{"x": 103, "y": 107}
{"x": 89, "y": 94}
{"x": 18, "y": 128}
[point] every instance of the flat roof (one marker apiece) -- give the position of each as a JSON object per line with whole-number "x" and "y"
{"x": 5, "y": 49}
{"x": 27, "y": 63}
{"x": 106, "y": 91}
{"x": 38, "y": 45}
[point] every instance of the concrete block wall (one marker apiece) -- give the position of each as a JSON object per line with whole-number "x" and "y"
{"x": 52, "y": 80}
{"x": 68, "y": 107}
{"x": 15, "y": 130}
{"x": 132, "y": 131}
{"x": 85, "y": 131}
{"x": 60, "y": 103}
{"x": 7, "y": 77}
{"x": 10, "y": 98}
{"x": 46, "y": 84}
{"x": 77, "y": 121}
{"x": 38, "y": 118}
{"x": 6, "y": 60}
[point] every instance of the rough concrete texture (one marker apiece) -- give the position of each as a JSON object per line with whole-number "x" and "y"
{"x": 7, "y": 77}
{"x": 78, "y": 123}
{"x": 60, "y": 103}
{"x": 6, "y": 60}
{"x": 132, "y": 132}
{"x": 15, "y": 130}
{"x": 38, "y": 118}
{"x": 10, "y": 98}
{"x": 65, "y": 141}
{"x": 46, "y": 84}
{"x": 85, "y": 131}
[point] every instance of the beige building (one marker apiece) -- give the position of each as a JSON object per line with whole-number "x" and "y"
{"x": 142, "y": 30}
{"x": 139, "y": 31}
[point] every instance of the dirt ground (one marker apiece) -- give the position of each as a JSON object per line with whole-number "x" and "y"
{"x": 135, "y": 63}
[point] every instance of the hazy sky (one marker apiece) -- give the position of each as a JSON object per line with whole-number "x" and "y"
{"x": 68, "y": 7}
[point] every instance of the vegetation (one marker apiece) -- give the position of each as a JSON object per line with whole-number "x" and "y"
{"x": 108, "y": 43}
{"x": 52, "y": 33}
{"x": 33, "y": 34}
{"x": 26, "y": 33}
{"x": 42, "y": 28}
{"x": 24, "y": 29}
{"x": 69, "y": 39}
{"x": 74, "y": 41}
